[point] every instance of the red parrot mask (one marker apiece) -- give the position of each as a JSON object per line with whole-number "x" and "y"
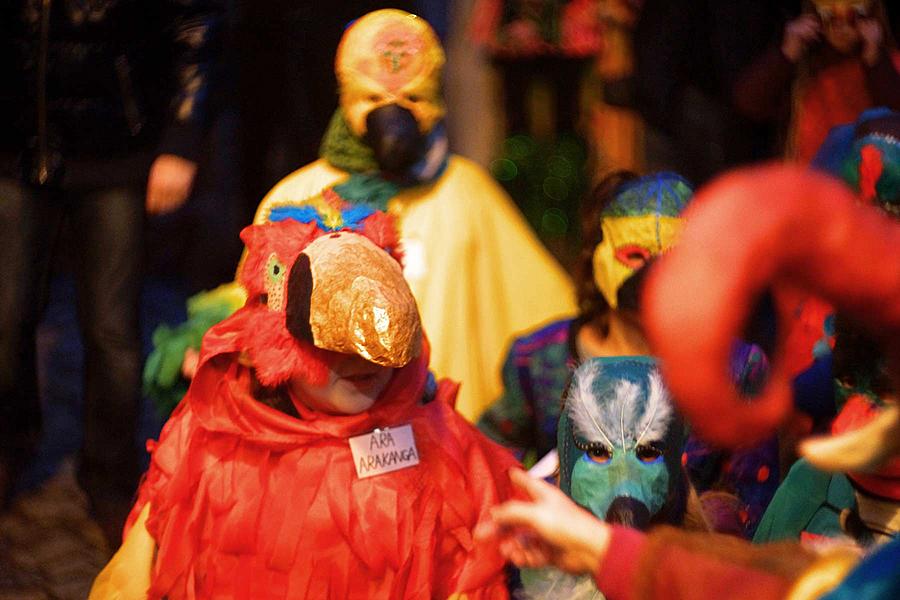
{"x": 311, "y": 291}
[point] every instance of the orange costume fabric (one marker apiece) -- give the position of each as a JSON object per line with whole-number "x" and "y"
{"x": 249, "y": 502}
{"x": 835, "y": 96}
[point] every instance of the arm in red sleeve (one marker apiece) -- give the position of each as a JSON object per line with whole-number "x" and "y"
{"x": 671, "y": 563}
{"x": 619, "y": 570}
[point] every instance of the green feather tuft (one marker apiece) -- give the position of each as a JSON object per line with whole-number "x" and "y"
{"x": 163, "y": 381}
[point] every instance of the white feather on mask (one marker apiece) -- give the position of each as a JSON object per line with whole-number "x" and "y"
{"x": 616, "y": 414}
{"x": 551, "y": 584}
{"x": 607, "y": 417}
{"x": 658, "y": 413}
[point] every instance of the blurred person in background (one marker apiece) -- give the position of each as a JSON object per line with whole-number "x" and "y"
{"x": 536, "y": 44}
{"x": 614, "y": 119}
{"x": 688, "y": 54}
{"x": 106, "y": 104}
{"x": 835, "y": 60}
{"x": 533, "y": 40}
{"x": 279, "y": 47}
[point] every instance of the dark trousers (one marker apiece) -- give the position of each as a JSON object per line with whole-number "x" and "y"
{"x": 106, "y": 250}
{"x": 563, "y": 75}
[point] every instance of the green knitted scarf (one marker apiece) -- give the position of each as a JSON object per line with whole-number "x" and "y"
{"x": 346, "y": 151}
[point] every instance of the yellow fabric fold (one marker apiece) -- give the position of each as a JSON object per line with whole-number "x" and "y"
{"x": 127, "y": 575}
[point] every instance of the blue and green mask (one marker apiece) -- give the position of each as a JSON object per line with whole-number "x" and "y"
{"x": 873, "y": 167}
{"x": 866, "y": 155}
{"x": 620, "y": 443}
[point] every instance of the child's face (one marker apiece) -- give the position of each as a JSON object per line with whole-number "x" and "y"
{"x": 353, "y": 386}
{"x": 839, "y": 23}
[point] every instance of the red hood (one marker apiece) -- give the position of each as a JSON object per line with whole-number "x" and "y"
{"x": 243, "y": 495}
{"x": 269, "y": 426}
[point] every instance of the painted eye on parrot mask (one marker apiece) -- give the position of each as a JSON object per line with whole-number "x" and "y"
{"x": 598, "y": 453}
{"x": 648, "y": 453}
{"x": 275, "y": 271}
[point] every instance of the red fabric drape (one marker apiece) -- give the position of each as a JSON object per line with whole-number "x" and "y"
{"x": 248, "y": 502}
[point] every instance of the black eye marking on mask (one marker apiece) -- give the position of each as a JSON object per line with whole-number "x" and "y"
{"x": 299, "y": 299}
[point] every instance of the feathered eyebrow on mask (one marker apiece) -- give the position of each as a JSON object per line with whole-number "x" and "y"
{"x": 612, "y": 411}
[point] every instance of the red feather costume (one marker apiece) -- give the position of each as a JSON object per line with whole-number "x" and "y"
{"x": 247, "y": 501}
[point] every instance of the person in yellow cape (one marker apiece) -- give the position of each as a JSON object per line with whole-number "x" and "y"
{"x": 476, "y": 270}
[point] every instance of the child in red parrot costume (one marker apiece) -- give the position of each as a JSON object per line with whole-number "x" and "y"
{"x": 254, "y": 491}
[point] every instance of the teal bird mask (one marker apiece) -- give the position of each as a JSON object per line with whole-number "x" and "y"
{"x": 620, "y": 442}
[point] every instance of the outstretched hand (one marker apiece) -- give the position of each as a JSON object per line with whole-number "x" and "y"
{"x": 872, "y": 37}
{"x": 798, "y": 35}
{"x": 190, "y": 363}
{"x": 549, "y": 529}
{"x": 169, "y": 184}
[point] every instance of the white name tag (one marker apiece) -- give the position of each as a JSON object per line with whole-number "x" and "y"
{"x": 384, "y": 450}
